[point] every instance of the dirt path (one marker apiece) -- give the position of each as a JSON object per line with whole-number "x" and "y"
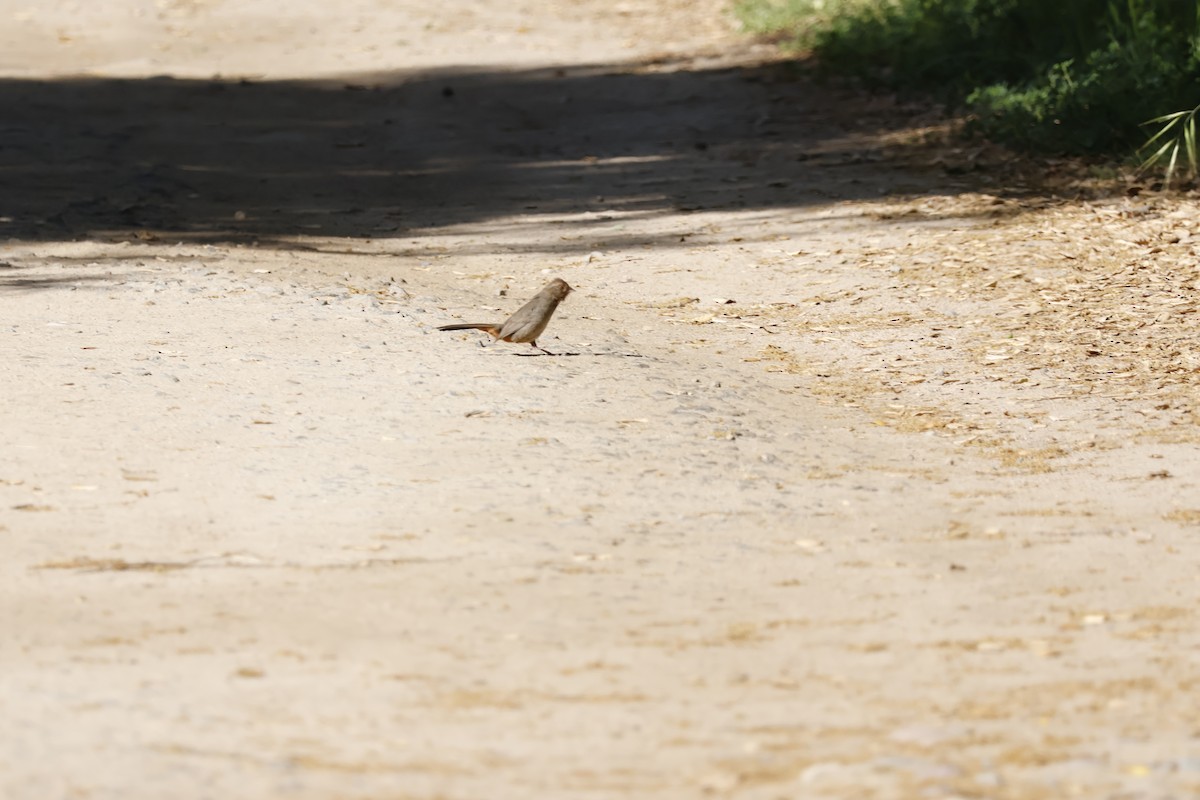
{"x": 855, "y": 479}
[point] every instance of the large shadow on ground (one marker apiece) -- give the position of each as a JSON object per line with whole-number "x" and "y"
{"x": 388, "y": 154}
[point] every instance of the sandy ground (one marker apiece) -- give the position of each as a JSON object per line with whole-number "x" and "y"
{"x": 860, "y": 474}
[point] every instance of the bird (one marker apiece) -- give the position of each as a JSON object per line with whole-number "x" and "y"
{"x": 527, "y": 324}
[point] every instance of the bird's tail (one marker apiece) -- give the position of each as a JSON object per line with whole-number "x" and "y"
{"x": 490, "y": 327}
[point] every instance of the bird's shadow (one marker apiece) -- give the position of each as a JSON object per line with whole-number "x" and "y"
{"x": 573, "y": 355}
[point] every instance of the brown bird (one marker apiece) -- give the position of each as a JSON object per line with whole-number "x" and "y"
{"x": 530, "y": 320}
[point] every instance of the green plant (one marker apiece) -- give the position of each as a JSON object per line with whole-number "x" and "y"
{"x": 1178, "y": 136}
{"x": 1071, "y": 76}
{"x": 1094, "y": 104}
{"x": 774, "y": 16}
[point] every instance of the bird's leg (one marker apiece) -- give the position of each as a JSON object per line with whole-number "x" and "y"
{"x": 534, "y": 345}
